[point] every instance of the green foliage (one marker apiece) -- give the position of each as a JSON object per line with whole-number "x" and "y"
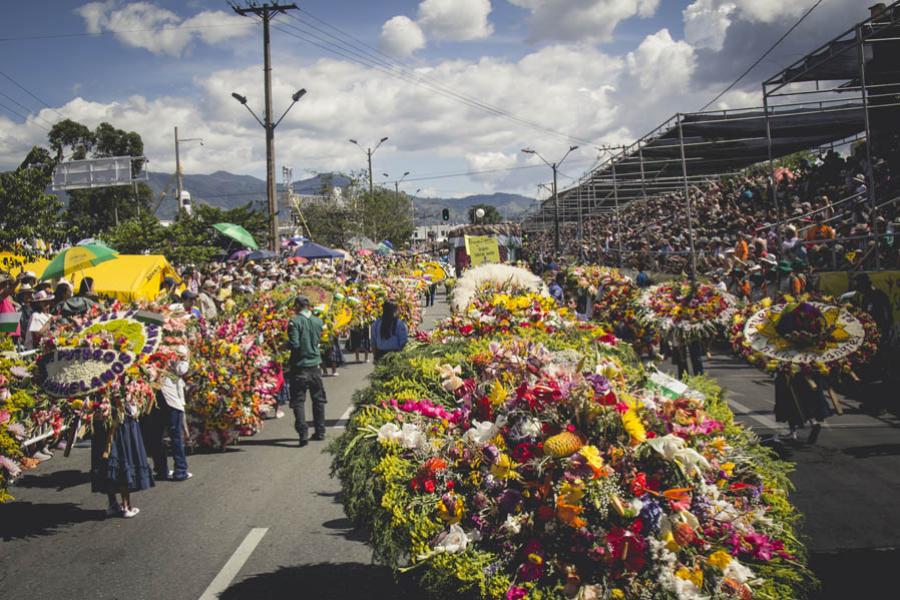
{"x": 27, "y": 212}
{"x": 191, "y": 238}
{"x": 328, "y": 224}
{"x": 491, "y": 214}
{"x": 385, "y": 215}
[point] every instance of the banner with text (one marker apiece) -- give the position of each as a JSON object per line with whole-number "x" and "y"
{"x": 482, "y": 249}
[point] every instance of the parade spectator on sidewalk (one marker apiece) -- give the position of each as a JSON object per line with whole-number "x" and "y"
{"x": 304, "y": 337}
{"x": 40, "y": 317}
{"x": 9, "y": 312}
{"x": 389, "y": 333}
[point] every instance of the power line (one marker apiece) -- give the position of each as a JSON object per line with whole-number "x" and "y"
{"x": 765, "y": 54}
{"x": 393, "y": 68}
{"x": 20, "y": 105}
{"x": 30, "y": 93}
{"x": 18, "y": 114}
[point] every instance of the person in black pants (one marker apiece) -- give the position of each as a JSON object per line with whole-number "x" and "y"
{"x": 304, "y": 338}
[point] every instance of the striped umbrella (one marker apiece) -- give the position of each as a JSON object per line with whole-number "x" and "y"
{"x": 77, "y": 258}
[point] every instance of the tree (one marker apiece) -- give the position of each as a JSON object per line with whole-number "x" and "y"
{"x": 491, "y": 214}
{"x": 385, "y": 215}
{"x": 329, "y": 224}
{"x": 27, "y": 212}
{"x": 91, "y": 212}
{"x": 143, "y": 234}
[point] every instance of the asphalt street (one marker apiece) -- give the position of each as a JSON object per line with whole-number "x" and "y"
{"x": 263, "y": 519}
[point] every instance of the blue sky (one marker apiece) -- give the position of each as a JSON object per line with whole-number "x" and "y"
{"x": 604, "y": 71}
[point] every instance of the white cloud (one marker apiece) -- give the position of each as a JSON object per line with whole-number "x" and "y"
{"x": 456, "y": 19}
{"x": 581, "y": 20}
{"x": 159, "y": 30}
{"x": 579, "y": 90}
{"x": 401, "y": 36}
{"x": 706, "y": 23}
{"x": 662, "y": 65}
{"x": 491, "y": 161}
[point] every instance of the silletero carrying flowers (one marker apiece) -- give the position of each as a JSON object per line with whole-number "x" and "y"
{"x": 536, "y": 464}
{"x": 686, "y": 311}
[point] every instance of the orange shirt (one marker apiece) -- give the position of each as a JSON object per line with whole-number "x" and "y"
{"x": 742, "y": 250}
{"x": 820, "y": 232}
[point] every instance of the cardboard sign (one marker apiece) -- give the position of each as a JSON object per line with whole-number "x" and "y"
{"x": 482, "y": 249}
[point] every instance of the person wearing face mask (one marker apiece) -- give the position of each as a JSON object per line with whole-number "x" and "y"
{"x": 172, "y": 392}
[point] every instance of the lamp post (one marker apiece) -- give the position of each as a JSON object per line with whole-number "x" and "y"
{"x": 269, "y": 126}
{"x": 369, "y": 152}
{"x": 555, "y": 167}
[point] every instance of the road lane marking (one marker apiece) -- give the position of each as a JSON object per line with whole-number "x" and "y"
{"x": 234, "y": 564}
{"x": 766, "y": 422}
{"x": 342, "y": 421}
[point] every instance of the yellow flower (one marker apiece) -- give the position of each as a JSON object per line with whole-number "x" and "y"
{"x": 504, "y": 468}
{"x": 728, "y": 467}
{"x": 451, "y": 510}
{"x": 617, "y": 594}
{"x": 498, "y": 394}
{"x": 695, "y": 576}
{"x": 593, "y": 459}
{"x": 719, "y": 559}
{"x": 570, "y": 493}
{"x": 634, "y": 426}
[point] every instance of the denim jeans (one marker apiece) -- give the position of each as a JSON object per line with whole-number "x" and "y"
{"x": 175, "y": 422}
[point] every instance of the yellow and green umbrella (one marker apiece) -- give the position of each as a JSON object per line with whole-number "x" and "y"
{"x": 77, "y": 258}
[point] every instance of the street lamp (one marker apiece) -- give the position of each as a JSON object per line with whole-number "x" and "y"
{"x": 369, "y": 152}
{"x": 555, "y": 167}
{"x": 269, "y": 127}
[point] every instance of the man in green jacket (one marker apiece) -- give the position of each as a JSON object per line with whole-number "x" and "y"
{"x": 304, "y": 336}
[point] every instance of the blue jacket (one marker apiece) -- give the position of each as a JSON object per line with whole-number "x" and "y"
{"x": 396, "y": 341}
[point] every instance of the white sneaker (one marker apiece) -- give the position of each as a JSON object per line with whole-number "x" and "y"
{"x": 279, "y": 414}
{"x": 187, "y": 476}
{"x": 128, "y": 513}
{"x": 41, "y": 455}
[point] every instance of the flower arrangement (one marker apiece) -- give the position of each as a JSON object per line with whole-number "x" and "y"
{"x": 109, "y": 364}
{"x": 686, "y": 311}
{"x": 801, "y": 336}
{"x": 614, "y": 299}
{"x": 522, "y": 464}
{"x": 494, "y": 277}
{"x": 16, "y": 403}
{"x": 234, "y": 380}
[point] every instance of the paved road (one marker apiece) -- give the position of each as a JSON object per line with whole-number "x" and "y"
{"x": 262, "y": 520}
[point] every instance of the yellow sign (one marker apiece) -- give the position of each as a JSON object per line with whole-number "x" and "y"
{"x": 482, "y": 249}
{"x": 838, "y": 282}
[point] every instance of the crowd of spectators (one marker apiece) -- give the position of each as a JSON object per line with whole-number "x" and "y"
{"x": 825, "y": 223}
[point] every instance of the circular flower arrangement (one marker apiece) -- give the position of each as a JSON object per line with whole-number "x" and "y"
{"x": 686, "y": 311}
{"x": 804, "y": 337}
{"x": 534, "y": 465}
{"x": 614, "y": 297}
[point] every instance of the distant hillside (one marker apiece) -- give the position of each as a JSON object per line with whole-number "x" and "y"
{"x": 227, "y": 190}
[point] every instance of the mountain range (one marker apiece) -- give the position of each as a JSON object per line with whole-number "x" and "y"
{"x": 227, "y": 190}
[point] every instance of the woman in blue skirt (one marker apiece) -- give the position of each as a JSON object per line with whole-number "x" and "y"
{"x": 119, "y": 465}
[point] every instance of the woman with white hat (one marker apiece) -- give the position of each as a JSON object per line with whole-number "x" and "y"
{"x": 40, "y": 319}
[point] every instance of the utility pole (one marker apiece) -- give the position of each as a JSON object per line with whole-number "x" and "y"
{"x": 178, "y": 174}
{"x": 369, "y": 152}
{"x": 265, "y": 12}
{"x": 554, "y": 166}
{"x": 180, "y": 183}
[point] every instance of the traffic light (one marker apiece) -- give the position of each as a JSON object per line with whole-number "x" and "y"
{"x": 445, "y": 214}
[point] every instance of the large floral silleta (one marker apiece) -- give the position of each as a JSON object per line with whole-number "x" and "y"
{"x": 536, "y": 463}
{"x": 804, "y": 337}
{"x": 686, "y": 311}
